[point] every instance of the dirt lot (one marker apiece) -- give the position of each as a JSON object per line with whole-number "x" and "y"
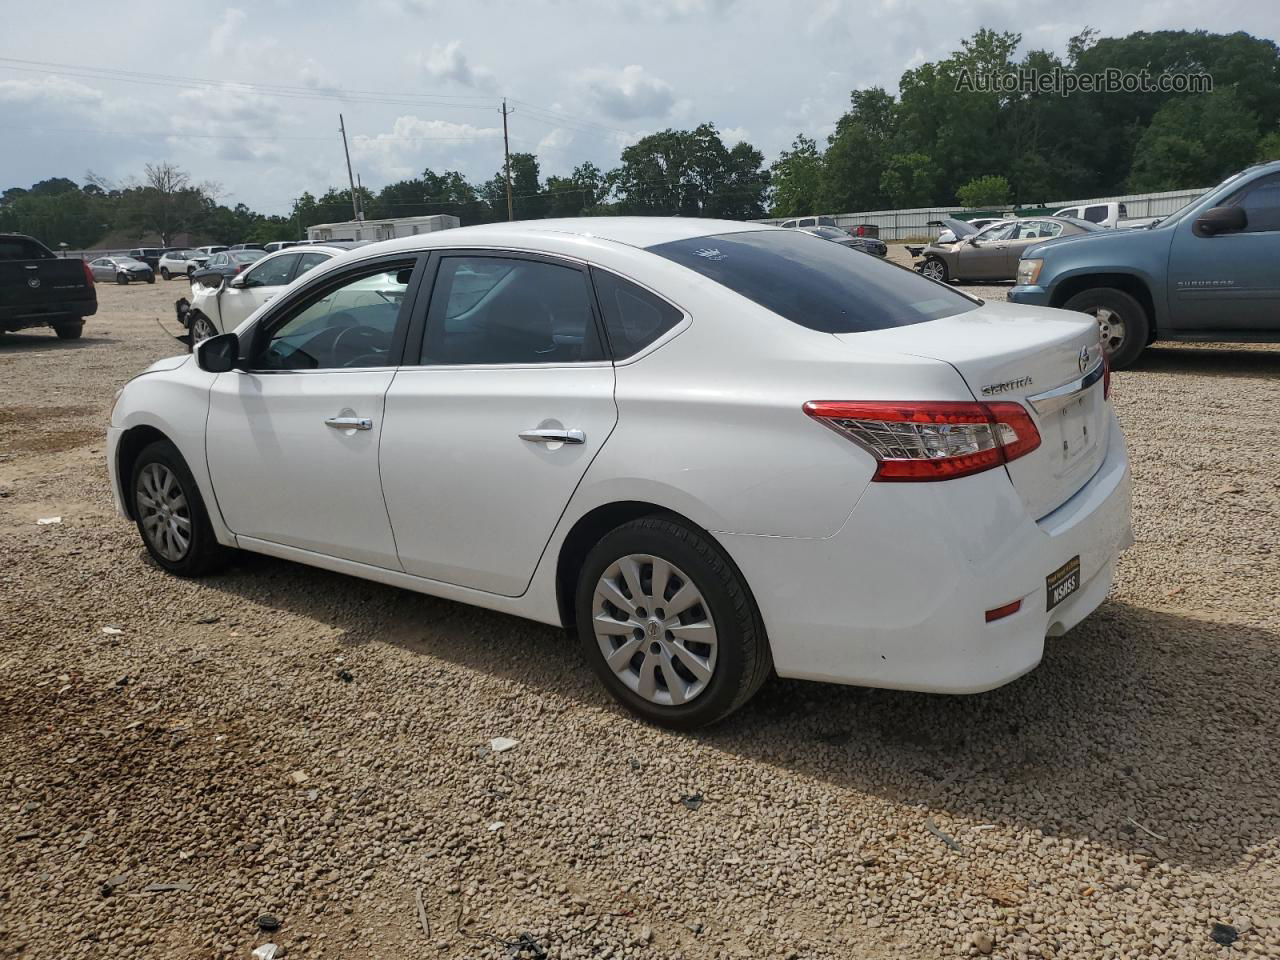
{"x": 278, "y": 740}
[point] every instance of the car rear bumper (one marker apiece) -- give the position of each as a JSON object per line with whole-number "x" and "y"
{"x": 897, "y": 598}
{"x": 1035, "y": 296}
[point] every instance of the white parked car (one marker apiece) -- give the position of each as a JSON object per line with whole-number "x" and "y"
{"x": 1113, "y": 215}
{"x": 220, "y": 304}
{"x": 180, "y": 263}
{"x": 713, "y": 448}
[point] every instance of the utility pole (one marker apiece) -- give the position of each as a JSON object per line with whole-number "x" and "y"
{"x": 351, "y": 181}
{"x": 506, "y": 153}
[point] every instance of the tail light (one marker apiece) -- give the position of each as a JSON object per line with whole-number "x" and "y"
{"x": 1106, "y": 375}
{"x": 933, "y": 440}
{"x": 88, "y": 272}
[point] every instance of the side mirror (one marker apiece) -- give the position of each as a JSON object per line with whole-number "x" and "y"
{"x": 238, "y": 281}
{"x": 218, "y": 354}
{"x": 1221, "y": 220}
{"x": 972, "y": 241}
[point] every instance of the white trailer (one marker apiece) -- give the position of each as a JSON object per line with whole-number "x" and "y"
{"x": 367, "y": 230}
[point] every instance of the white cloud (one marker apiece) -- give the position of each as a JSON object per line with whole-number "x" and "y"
{"x": 557, "y": 139}
{"x": 56, "y": 89}
{"x": 629, "y": 93}
{"x": 732, "y": 136}
{"x": 413, "y": 143}
{"x": 448, "y": 62}
{"x": 221, "y": 37}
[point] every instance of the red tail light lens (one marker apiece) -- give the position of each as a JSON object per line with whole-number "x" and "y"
{"x": 933, "y": 440}
{"x": 88, "y": 273}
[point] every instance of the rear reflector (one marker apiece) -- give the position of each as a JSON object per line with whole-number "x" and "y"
{"x": 1007, "y": 610}
{"x": 1106, "y": 375}
{"x": 931, "y": 440}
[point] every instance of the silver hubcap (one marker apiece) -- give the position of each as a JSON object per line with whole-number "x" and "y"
{"x": 164, "y": 511}
{"x": 1110, "y": 329}
{"x": 933, "y": 270}
{"x": 202, "y": 329}
{"x": 654, "y": 629}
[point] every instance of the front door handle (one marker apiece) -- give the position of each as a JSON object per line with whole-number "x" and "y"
{"x": 554, "y": 436}
{"x": 349, "y": 423}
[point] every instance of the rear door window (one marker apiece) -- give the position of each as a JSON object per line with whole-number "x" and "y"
{"x": 814, "y": 282}
{"x": 1095, "y": 214}
{"x": 633, "y": 317}
{"x": 509, "y": 310}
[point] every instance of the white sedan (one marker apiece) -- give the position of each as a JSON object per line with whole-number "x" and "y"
{"x": 714, "y": 449}
{"x": 221, "y": 303}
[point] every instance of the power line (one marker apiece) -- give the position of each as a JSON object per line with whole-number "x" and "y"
{"x": 181, "y": 134}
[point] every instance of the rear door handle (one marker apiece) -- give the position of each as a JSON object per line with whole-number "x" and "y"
{"x": 349, "y": 423}
{"x": 554, "y": 436}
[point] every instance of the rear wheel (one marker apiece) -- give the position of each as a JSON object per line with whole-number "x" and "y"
{"x": 69, "y": 330}
{"x": 935, "y": 268}
{"x": 668, "y": 624}
{"x": 151, "y": 278}
{"x": 1122, "y": 322}
{"x": 170, "y": 513}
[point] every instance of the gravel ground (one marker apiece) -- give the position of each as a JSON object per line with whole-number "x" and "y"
{"x": 282, "y": 741}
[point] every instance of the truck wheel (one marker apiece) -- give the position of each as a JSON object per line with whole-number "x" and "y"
{"x": 70, "y": 330}
{"x": 668, "y": 624}
{"x": 1122, "y": 322}
{"x": 935, "y": 268}
{"x": 122, "y": 278}
{"x": 170, "y": 513}
{"x": 164, "y": 272}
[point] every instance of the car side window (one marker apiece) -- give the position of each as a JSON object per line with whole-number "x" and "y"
{"x": 499, "y": 310}
{"x": 272, "y": 273}
{"x": 1095, "y": 214}
{"x": 351, "y": 323}
{"x": 309, "y": 261}
{"x": 633, "y": 317}
{"x": 1261, "y": 202}
{"x": 997, "y": 232}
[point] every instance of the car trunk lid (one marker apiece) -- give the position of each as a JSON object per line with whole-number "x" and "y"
{"x": 1049, "y": 361}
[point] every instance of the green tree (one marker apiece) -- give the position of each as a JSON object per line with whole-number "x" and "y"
{"x": 796, "y": 179}
{"x": 857, "y": 152}
{"x": 989, "y": 191}
{"x": 1269, "y": 147}
{"x": 910, "y": 180}
{"x": 690, "y": 173}
{"x": 576, "y": 195}
{"x": 1195, "y": 141}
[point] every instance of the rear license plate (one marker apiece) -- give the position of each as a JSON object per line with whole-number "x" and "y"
{"x": 1062, "y": 583}
{"x": 1074, "y": 421}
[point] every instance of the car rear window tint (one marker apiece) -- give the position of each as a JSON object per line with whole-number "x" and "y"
{"x": 815, "y": 283}
{"x": 20, "y": 248}
{"x": 633, "y": 317}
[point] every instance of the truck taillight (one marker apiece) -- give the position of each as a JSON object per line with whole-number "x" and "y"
{"x": 88, "y": 272}
{"x": 931, "y": 440}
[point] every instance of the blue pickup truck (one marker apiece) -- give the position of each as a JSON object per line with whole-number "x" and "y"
{"x": 1210, "y": 271}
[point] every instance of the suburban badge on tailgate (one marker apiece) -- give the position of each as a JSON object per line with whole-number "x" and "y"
{"x": 991, "y": 389}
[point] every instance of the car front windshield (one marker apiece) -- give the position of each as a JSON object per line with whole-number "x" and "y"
{"x": 815, "y": 283}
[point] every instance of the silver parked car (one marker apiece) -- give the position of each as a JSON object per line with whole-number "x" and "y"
{"x": 121, "y": 270}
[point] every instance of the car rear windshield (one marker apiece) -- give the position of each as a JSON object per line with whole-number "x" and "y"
{"x": 818, "y": 284}
{"x": 20, "y": 248}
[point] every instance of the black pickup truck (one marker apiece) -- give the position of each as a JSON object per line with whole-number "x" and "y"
{"x": 38, "y": 289}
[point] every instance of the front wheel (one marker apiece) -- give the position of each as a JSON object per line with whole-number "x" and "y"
{"x": 122, "y": 278}
{"x": 164, "y": 272}
{"x": 935, "y": 268}
{"x": 170, "y": 513}
{"x": 668, "y": 624}
{"x": 201, "y": 328}
{"x": 151, "y": 278}
{"x": 69, "y": 330}
{"x": 1123, "y": 326}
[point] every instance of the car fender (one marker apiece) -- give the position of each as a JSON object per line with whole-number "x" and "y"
{"x": 172, "y": 397}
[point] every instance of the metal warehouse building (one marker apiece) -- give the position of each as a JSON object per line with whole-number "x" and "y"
{"x": 381, "y": 229}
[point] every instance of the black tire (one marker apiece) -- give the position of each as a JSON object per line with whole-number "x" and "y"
{"x": 1122, "y": 351}
{"x": 122, "y": 278}
{"x": 203, "y": 553}
{"x": 743, "y": 661}
{"x": 937, "y": 264}
{"x": 69, "y": 330}
{"x": 164, "y": 272}
{"x": 151, "y": 278}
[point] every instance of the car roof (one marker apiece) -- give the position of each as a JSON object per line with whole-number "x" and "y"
{"x": 632, "y": 231}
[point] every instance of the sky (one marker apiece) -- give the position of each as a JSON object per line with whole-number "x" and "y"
{"x": 246, "y": 96}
